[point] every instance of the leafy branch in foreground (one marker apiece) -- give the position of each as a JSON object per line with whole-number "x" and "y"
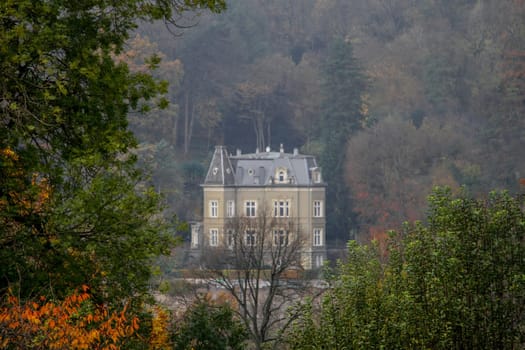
{"x": 74, "y": 323}
{"x": 456, "y": 282}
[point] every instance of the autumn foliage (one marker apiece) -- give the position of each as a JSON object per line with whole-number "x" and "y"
{"x": 74, "y": 323}
{"x": 159, "y": 337}
{"x": 28, "y": 197}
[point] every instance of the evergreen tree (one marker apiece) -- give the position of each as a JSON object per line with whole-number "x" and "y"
{"x": 343, "y": 89}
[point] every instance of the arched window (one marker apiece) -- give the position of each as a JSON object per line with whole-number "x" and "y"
{"x": 281, "y": 176}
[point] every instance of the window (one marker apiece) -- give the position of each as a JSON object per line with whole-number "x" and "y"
{"x": 230, "y": 239}
{"x": 281, "y": 176}
{"x": 318, "y": 209}
{"x": 194, "y": 237}
{"x": 250, "y": 208}
{"x": 318, "y": 237}
{"x": 319, "y": 261}
{"x": 281, "y": 208}
{"x": 214, "y": 237}
{"x": 250, "y": 238}
{"x": 214, "y": 209}
{"x": 280, "y": 237}
{"x": 230, "y": 209}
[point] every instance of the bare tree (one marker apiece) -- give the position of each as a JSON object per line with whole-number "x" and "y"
{"x": 258, "y": 264}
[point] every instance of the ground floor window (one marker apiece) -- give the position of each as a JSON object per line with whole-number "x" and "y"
{"x": 318, "y": 237}
{"x": 280, "y": 237}
{"x": 214, "y": 237}
{"x": 250, "y": 238}
{"x": 319, "y": 261}
{"x": 230, "y": 239}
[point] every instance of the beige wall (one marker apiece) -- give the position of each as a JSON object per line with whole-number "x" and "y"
{"x": 300, "y": 200}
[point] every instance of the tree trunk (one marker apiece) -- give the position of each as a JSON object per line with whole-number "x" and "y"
{"x": 174, "y": 129}
{"x": 189, "y": 111}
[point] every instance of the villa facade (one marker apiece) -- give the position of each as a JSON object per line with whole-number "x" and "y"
{"x": 287, "y": 187}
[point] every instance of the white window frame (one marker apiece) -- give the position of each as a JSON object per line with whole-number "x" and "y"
{"x": 214, "y": 237}
{"x": 319, "y": 261}
{"x": 194, "y": 239}
{"x": 214, "y": 208}
{"x": 230, "y": 209}
{"x": 281, "y": 176}
{"x": 230, "y": 239}
{"x": 318, "y": 209}
{"x": 317, "y": 237}
{"x": 281, "y": 208}
{"x": 280, "y": 237}
{"x": 250, "y": 208}
{"x": 250, "y": 238}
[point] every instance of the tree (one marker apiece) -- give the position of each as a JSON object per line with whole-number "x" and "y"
{"x": 206, "y": 325}
{"x": 140, "y": 56}
{"x": 64, "y": 108}
{"x": 343, "y": 89}
{"x": 393, "y": 165}
{"x": 74, "y": 323}
{"x": 260, "y": 100}
{"x": 349, "y": 314}
{"x": 455, "y": 282}
{"x": 253, "y": 266}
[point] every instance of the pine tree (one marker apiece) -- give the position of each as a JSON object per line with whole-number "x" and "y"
{"x": 344, "y": 86}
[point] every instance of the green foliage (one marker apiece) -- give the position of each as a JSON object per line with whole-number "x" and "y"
{"x": 457, "y": 282}
{"x": 209, "y": 327}
{"x": 344, "y": 86}
{"x": 73, "y": 207}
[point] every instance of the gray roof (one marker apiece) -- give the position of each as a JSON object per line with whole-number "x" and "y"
{"x": 262, "y": 169}
{"x": 220, "y": 171}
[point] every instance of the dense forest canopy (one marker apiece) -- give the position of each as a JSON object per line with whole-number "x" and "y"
{"x": 441, "y": 99}
{"x": 393, "y": 97}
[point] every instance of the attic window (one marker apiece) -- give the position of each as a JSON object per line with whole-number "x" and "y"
{"x": 250, "y": 171}
{"x": 281, "y": 175}
{"x": 316, "y": 175}
{"x": 227, "y": 170}
{"x": 215, "y": 171}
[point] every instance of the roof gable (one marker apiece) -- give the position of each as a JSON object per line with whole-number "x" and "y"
{"x": 221, "y": 170}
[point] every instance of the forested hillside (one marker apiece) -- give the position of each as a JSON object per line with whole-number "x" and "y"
{"x": 109, "y": 112}
{"x": 393, "y": 96}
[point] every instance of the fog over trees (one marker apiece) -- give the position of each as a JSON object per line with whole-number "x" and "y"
{"x": 434, "y": 97}
{"x": 109, "y": 115}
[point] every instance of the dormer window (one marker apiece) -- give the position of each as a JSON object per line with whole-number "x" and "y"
{"x": 281, "y": 175}
{"x": 316, "y": 175}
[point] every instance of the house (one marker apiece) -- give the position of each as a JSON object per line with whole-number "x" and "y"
{"x": 284, "y": 186}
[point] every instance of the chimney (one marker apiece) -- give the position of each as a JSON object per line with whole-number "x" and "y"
{"x": 239, "y": 152}
{"x": 296, "y": 151}
{"x": 257, "y": 150}
{"x": 281, "y": 150}
{"x": 268, "y": 149}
